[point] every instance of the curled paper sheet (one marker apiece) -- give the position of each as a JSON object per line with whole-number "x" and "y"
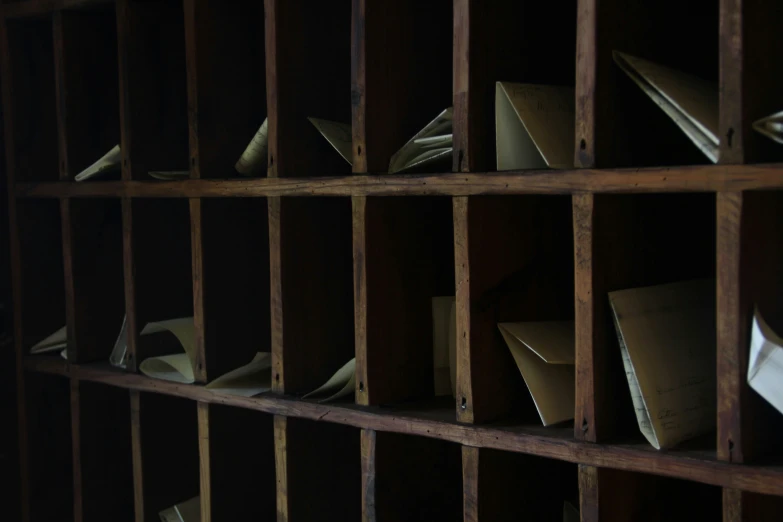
{"x": 545, "y": 355}
{"x": 338, "y": 135}
{"x": 771, "y": 127}
{"x": 765, "y": 365}
{"x": 430, "y": 145}
{"x": 692, "y": 103}
{"x": 188, "y": 511}
{"x": 254, "y": 158}
{"x": 170, "y": 175}
{"x": 534, "y": 126}
{"x": 119, "y": 354}
{"x": 341, "y": 384}
{"x": 53, "y": 343}
{"x": 175, "y": 367}
{"x": 110, "y": 161}
{"x": 667, "y": 342}
{"x": 248, "y": 380}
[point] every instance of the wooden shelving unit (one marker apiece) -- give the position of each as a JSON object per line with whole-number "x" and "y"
{"x": 318, "y": 261}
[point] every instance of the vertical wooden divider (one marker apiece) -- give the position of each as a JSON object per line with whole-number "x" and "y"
{"x": 205, "y": 471}
{"x": 368, "y": 438}
{"x": 138, "y": 475}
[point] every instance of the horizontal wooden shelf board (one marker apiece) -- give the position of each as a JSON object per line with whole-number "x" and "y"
{"x": 439, "y": 422}
{"x": 706, "y": 178}
{"x": 27, "y": 8}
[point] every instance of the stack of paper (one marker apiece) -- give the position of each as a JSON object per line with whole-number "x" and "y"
{"x": 692, "y": 103}
{"x": 765, "y": 364}
{"x": 667, "y": 342}
{"x": 545, "y": 355}
{"x": 534, "y": 126}
{"x": 109, "y": 162}
{"x": 430, "y": 146}
{"x": 57, "y": 342}
{"x": 771, "y": 127}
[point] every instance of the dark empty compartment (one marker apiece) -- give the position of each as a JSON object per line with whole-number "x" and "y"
{"x": 32, "y": 85}
{"x": 644, "y": 240}
{"x": 520, "y": 265}
{"x": 166, "y": 436}
{"x": 89, "y": 97}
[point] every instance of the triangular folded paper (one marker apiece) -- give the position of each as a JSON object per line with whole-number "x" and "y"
{"x": 534, "y": 126}
{"x": 432, "y": 144}
{"x": 110, "y": 161}
{"x": 188, "y": 511}
{"x": 765, "y": 365}
{"x": 56, "y": 342}
{"x": 248, "y": 380}
{"x": 667, "y": 342}
{"x": 692, "y": 103}
{"x": 771, "y": 127}
{"x": 175, "y": 367}
{"x": 338, "y": 135}
{"x": 544, "y": 353}
{"x": 339, "y": 385}
{"x": 253, "y": 159}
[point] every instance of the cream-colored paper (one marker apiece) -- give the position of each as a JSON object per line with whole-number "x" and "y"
{"x": 545, "y": 355}
{"x": 765, "y": 365}
{"x": 443, "y": 345}
{"x": 534, "y": 126}
{"x": 253, "y": 159}
{"x": 175, "y": 367}
{"x": 110, "y": 161}
{"x": 430, "y": 145}
{"x": 338, "y": 135}
{"x": 188, "y": 511}
{"x": 667, "y": 342}
{"x": 53, "y": 343}
{"x": 248, "y": 380}
{"x": 771, "y": 127}
{"x": 341, "y": 384}
{"x": 692, "y": 103}
{"x": 170, "y": 175}
{"x": 119, "y": 354}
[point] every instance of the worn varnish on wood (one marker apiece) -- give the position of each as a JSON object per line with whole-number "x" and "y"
{"x": 317, "y": 263}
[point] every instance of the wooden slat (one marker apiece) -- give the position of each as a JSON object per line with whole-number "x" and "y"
{"x": 318, "y": 465}
{"x": 34, "y": 8}
{"x": 555, "y": 443}
{"x": 205, "y": 462}
{"x": 586, "y": 74}
{"x": 199, "y": 359}
{"x": 403, "y": 254}
{"x": 741, "y": 506}
{"x": 498, "y": 40}
{"x": 750, "y": 79}
{"x": 749, "y": 228}
{"x": 634, "y": 181}
{"x": 463, "y": 388}
{"x": 589, "y": 502}
{"x": 138, "y": 465}
{"x": 398, "y": 86}
{"x": 368, "y": 438}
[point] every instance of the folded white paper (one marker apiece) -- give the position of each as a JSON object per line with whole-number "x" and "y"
{"x": 771, "y": 127}
{"x": 667, "y": 342}
{"x": 338, "y": 135}
{"x": 170, "y": 175}
{"x": 188, "y": 511}
{"x": 430, "y": 145}
{"x": 534, "y": 126}
{"x": 175, "y": 367}
{"x": 545, "y": 355}
{"x": 765, "y": 365}
{"x": 341, "y": 384}
{"x": 248, "y": 380}
{"x": 692, "y": 103}
{"x": 254, "y": 157}
{"x": 110, "y": 161}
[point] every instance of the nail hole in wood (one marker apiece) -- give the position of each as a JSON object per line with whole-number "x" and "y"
{"x": 193, "y": 161}
{"x": 361, "y": 386}
{"x": 271, "y": 160}
{"x": 459, "y": 160}
{"x": 585, "y": 426}
{"x": 582, "y": 145}
{"x": 729, "y": 136}
{"x": 359, "y": 150}
{"x": 277, "y": 377}
{"x": 464, "y": 404}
